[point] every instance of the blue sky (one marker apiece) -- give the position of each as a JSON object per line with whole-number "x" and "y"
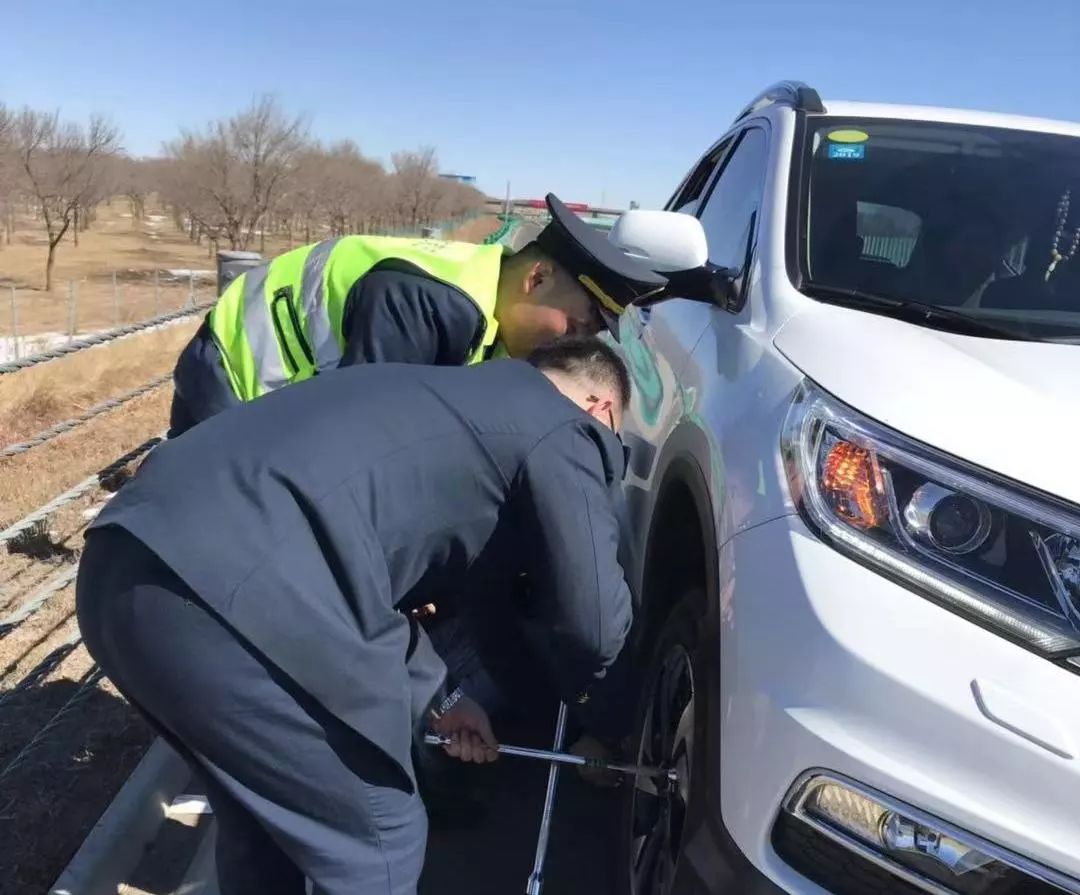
{"x": 597, "y": 101}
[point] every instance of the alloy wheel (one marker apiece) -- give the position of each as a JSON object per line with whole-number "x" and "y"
{"x": 658, "y": 812}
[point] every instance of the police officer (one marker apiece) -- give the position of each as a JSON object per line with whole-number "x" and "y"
{"x": 251, "y": 588}
{"x": 367, "y": 299}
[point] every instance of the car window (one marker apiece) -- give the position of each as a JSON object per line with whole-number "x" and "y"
{"x": 686, "y": 200}
{"x": 731, "y": 208}
{"x": 983, "y": 221}
{"x": 886, "y": 233}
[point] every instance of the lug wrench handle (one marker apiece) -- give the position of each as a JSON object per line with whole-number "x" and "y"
{"x": 635, "y": 770}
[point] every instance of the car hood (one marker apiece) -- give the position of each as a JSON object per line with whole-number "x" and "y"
{"x": 1011, "y": 407}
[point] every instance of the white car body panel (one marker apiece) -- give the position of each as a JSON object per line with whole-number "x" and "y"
{"x": 825, "y": 663}
{"x": 828, "y": 664}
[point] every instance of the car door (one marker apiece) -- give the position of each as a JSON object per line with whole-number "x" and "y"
{"x": 724, "y": 191}
{"x": 657, "y": 341}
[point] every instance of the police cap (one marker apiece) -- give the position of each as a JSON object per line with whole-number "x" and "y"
{"x": 612, "y": 278}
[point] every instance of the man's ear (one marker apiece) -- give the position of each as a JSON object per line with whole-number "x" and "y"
{"x": 599, "y": 406}
{"x": 538, "y": 274}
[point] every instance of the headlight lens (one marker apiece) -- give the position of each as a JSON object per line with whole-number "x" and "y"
{"x": 1005, "y": 556}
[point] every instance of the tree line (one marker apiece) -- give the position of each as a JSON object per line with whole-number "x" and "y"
{"x": 230, "y": 183}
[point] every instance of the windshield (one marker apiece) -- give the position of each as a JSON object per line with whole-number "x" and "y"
{"x": 980, "y": 221}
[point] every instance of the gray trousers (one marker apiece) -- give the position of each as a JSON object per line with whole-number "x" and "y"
{"x": 295, "y": 792}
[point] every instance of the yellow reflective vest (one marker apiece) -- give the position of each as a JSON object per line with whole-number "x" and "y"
{"x": 281, "y": 322}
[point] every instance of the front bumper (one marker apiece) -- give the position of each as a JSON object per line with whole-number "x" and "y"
{"x": 827, "y": 664}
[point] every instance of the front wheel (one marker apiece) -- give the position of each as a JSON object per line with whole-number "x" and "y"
{"x": 671, "y": 718}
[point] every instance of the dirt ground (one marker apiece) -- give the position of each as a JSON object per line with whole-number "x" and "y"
{"x": 69, "y": 741}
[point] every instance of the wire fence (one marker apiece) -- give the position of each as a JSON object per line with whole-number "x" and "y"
{"x": 83, "y": 418}
{"x": 74, "y": 345}
{"x": 87, "y": 485}
{"x": 55, "y": 584}
{"x": 87, "y": 684}
{"x": 42, "y": 670}
{"x": 35, "y": 321}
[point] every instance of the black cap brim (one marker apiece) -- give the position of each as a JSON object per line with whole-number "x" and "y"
{"x": 612, "y": 278}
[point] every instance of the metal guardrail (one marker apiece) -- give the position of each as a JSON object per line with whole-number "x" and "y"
{"x": 506, "y": 230}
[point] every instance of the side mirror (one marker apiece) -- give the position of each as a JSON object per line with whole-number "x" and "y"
{"x": 665, "y": 240}
{"x": 708, "y": 283}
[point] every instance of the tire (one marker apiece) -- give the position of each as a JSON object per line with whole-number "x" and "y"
{"x": 675, "y": 678}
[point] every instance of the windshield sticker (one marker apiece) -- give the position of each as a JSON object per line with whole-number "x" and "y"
{"x": 847, "y": 151}
{"x": 848, "y": 136}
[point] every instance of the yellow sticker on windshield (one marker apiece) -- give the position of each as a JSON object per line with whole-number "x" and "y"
{"x": 848, "y": 136}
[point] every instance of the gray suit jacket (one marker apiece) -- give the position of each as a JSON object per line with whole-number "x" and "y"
{"x": 312, "y": 519}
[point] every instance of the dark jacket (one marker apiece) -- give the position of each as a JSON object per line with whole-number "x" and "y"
{"x": 394, "y": 313}
{"x": 313, "y": 518}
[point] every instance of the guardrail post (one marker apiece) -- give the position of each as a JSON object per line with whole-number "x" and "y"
{"x": 71, "y": 310}
{"x": 115, "y": 301}
{"x": 157, "y": 292}
{"x": 14, "y": 323}
{"x": 191, "y": 289}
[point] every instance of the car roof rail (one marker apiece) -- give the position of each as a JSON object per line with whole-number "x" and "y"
{"x": 795, "y": 94}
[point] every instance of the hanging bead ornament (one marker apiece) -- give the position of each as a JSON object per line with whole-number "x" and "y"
{"x": 1062, "y": 215}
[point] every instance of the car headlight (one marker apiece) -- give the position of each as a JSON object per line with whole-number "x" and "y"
{"x": 997, "y": 552}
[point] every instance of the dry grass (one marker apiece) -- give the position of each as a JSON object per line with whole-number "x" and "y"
{"x": 38, "y": 397}
{"x": 475, "y": 231}
{"x": 31, "y": 479}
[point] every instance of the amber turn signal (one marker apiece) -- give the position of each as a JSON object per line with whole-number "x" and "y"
{"x": 851, "y": 481}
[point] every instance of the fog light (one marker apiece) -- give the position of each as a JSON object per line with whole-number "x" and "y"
{"x": 927, "y": 852}
{"x": 851, "y": 812}
{"x": 902, "y": 834}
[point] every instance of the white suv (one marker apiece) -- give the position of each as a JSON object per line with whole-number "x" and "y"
{"x": 854, "y": 501}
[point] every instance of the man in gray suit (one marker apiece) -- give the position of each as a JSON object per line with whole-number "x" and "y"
{"x": 251, "y": 591}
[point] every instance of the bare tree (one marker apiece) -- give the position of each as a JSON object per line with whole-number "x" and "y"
{"x": 228, "y": 177}
{"x": 415, "y": 184}
{"x": 350, "y": 188}
{"x": 103, "y": 186}
{"x": 134, "y": 180}
{"x": 300, "y": 204}
{"x": 62, "y": 164}
{"x": 258, "y": 172}
{"x": 8, "y": 171}
{"x": 455, "y": 200}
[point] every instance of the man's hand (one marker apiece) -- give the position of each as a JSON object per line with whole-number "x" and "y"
{"x": 467, "y": 725}
{"x": 590, "y": 747}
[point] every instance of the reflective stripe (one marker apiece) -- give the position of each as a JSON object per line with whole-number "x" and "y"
{"x": 259, "y": 327}
{"x": 324, "y": 343}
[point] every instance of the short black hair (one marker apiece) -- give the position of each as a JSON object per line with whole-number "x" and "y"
{"x": 585, "y": 358}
